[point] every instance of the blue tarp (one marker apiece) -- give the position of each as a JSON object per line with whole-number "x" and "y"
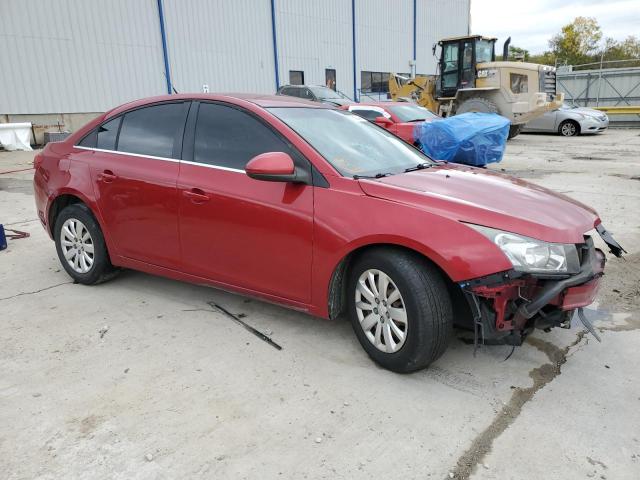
{"x": 469, "y": 138}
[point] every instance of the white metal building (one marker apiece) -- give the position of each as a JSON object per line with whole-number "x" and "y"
{"x": 86, "y": 56}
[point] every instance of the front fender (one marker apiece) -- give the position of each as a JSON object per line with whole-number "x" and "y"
{"x": 458, "y": 250}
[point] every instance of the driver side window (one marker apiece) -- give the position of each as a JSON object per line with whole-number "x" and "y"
{"x": 228, "y": 137}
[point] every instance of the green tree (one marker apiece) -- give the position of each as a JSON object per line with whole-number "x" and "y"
{"x": 577, "y": 42}
{"x": 628, "y": 49}
{"x": 516, "y": 52}
{"x": 546, "y": 58}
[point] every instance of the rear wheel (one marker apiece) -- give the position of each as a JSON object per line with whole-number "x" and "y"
{"x": 569, "y": 128}
{"x": 81, "y": 247}
{"x": 399, "y": 308}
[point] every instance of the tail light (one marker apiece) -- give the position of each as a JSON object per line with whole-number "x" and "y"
{"x": 37, "y": 161}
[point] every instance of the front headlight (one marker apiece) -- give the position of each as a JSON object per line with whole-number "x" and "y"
{"x": 531, "y": 255}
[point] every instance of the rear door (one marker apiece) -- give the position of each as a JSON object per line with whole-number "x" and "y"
{"x": 134, "y": 171}
{"x": 252, "y": 234}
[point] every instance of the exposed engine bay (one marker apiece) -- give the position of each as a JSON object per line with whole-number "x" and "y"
{"x": 507, "y": 306}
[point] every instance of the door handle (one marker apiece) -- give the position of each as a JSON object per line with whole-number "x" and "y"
{"x": 107, "y": 176}
{"x": 196, "y": 195}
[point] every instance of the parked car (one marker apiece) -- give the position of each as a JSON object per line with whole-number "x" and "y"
{"x": 569, "y": 120}
{"x": 315, "y": 93}
{"x": 319, "y": 210}
{"x": 397, "y": 117}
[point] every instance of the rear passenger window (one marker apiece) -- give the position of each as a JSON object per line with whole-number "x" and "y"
{"x": 228, "y": 137}
{"x": 152, "y": 130}
{"x": 107, "y": 134}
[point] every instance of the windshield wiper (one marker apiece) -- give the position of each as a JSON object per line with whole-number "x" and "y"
{"x": 377, "y": 175}
{"x": 420, "y": 166}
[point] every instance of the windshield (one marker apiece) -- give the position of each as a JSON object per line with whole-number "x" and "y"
{"x": 411, "y": 113}
{"x": 350, "y": 143}
{"x": 324, "y": 92}
{"x": 484, "y": 51}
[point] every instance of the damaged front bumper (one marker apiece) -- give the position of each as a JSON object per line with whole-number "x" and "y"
{"x": 506, "y": 306}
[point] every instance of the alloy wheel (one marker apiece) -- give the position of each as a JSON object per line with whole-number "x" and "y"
{"x": 568, "y": 129}
{"x": 77, "y": 245}
{"x": 381, "y": 311}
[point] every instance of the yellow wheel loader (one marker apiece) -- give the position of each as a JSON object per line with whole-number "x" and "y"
{"x": 470, "y": 80}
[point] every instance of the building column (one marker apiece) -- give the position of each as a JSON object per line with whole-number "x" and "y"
{"x": 165, "y": 53}
{"x": 275, "y": 42}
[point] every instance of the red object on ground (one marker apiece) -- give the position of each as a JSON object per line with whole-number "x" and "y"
{"x": 16, "y": 171}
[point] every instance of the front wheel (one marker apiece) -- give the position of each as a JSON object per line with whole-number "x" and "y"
{"x": 514, "y": 131}
{"x": 400, "y": 309}
{"x": 569, "y": 128}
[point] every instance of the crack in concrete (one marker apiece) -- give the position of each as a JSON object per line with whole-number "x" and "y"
{"x": 541, "y": 376}
{"x": 35, "y": 291}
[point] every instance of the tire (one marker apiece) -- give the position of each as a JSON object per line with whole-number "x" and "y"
{"x": 514, "y": 131}
{"x": 477, "y": 104}
{"x": 422, "y": 296}
{"x": 78, "y": 235}
{"x": 569, "y": 128}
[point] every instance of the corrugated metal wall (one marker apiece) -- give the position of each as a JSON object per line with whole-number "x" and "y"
{"x": 313, "y": 36}
{"x": 224, "y": 44}
{"x": 90, "y": 55}
{"x": 78, "y": 56}
{"x": 384, "y": 35}
{"x": 438, "y": 19}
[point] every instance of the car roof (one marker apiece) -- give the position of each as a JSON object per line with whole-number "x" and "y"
{"x": 303, "y": 86}
{"x": 374, "y": 104}
{"x": 261, "y": 100}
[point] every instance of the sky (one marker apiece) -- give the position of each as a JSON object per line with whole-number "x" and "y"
{"x": 531, "y": 23}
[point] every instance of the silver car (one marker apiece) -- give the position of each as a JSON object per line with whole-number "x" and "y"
{"x": 569, "y": 120}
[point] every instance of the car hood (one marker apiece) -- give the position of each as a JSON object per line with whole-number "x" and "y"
{"x": 488, "y": 198}
{"x": 589, "y": 112}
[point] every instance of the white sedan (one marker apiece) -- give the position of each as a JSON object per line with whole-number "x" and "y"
{"x": 569, "y": 120}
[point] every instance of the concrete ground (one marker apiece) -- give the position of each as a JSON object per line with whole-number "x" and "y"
{"x": 140, "y": 378}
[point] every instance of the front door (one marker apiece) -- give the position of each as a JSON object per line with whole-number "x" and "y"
{"x": 450, "y": 73}
{"x": 468, "y": 76}
{"x": 134, "y": 170}
{"x": 247, "y": 233}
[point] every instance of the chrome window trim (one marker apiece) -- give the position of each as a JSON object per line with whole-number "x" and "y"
{"x": 160, "y": 158}
{"x": 217, "y": 167}
{"x": 117, "y": 152}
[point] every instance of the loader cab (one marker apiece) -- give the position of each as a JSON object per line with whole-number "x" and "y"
{"x": 458, "y": 59}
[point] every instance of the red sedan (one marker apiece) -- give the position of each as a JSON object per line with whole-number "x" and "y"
{"x": 397, "y": 117}
{"x": 319, "y": 210}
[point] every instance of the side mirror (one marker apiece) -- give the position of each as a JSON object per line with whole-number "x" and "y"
{"x": 384, "y": 122}
{"x": 272, "y": 167}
